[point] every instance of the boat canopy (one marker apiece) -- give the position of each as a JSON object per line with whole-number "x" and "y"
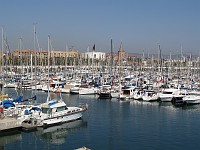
{"x": 35, "y": 108}
{"x": 18, "y": 99}
{"x": 8, "y": 103}
{"x": 51, "y": 103}
{"x": 129, "y": 77}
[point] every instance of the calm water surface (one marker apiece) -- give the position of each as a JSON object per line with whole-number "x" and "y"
{"x": 113, "y": 125}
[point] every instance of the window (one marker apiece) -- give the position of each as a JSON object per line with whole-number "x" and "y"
{"x": 61, "y": 108}
{"x": 46, "y": 110}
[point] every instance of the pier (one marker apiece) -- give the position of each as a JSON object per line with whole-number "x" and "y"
{"x": 9, "y": 123}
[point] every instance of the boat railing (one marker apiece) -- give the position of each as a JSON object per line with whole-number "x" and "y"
{"x": 84, "y": 107}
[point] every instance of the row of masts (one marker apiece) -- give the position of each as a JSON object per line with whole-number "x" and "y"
{"x": 144, "y": 63}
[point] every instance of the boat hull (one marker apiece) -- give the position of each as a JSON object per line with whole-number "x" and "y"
{"x": 103, "y": 95}
{"x": 61, "y": 119}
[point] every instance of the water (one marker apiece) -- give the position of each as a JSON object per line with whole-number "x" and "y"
{"x": 114, "y": 125}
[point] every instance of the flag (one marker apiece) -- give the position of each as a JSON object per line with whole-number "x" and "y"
{"x": 93, "y": 48}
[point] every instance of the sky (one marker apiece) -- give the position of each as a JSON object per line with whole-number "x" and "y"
{"x": 141, "y": 25}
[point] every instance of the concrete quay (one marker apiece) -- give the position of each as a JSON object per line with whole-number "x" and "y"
{"x": 8, "y": 123}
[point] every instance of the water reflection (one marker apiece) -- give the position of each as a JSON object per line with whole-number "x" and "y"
{"x": 165, "y": 104}
{"x": 53, "y": 135}
{"x": 8, "y": 137}
{"x": 188, "y": 107}
{"x": 57, "y": 134}
{"x": 139, "y": 102}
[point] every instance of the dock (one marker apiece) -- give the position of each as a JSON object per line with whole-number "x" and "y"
{"x": 8, "y": 123}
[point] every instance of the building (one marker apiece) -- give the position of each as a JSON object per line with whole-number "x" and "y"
{"x": 57, "y": 57}
{"x": 94, "y": 55}
{"x": 44, "y": 53}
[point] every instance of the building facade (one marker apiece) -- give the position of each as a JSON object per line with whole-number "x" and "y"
{"x": 94, "y": 55}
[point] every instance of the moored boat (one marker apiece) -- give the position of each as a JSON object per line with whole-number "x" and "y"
{"x": 150, "y": 96}
{"x": 57, "y": 112}
{"x": 127, "y": 93}
{"x": 167, "y": 94}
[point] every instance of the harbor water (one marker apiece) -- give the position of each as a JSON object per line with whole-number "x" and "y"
{"x": 112, "y": 125}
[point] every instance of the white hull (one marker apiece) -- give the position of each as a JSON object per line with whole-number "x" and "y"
{"x": 150, "y": 98}
{"x": 123, "y": 96}
{"x": 165, "y": 99}
{"x": 88, "y": 91}
{"x": 191, "y": 99}
{"x": 65, "y": 90}
{"x": 138, "y": 97}
{"x": 45, "y": 88}
{"x": 56, "y": 112}
{"x": 61, "y": 119}
{"x": 37, "y": 87}
{"x": 10, "y": 85}
{"x": 168, "y": 94}
{"x": 74, "y": 90}
{"x": 115, "y": 94}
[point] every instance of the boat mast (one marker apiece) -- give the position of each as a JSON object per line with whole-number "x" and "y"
{"x": 66, "y": 61}
{"x": 120, "y": 59}
{"x": 160, "y": 62}
{"x": 88, "y": 57}
{"x": 159, "y": 58}
{"x": 111, "y": 63}
{"x": 2, "y": 58}
{"x": 93, "y": 49}
{"x": 6, "y": 57}
{"x": 20, "y": 65}
{"x": 48, "y": 56}
{"x": 120, "y": 69}
{"x": 2, "y": 48}
{"x": 34, "y": 37}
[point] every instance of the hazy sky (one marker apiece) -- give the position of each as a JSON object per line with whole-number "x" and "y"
{"x": 139, "y": 24}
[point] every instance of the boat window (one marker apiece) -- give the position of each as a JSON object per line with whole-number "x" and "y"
{"x": 126, "y": 92}
{"x": 46, "y": 110}
{"x": 167, "y": 92}
{"x": 61, "y": 108}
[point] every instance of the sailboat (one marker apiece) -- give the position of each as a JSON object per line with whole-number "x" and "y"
{"x": 2, "y": 82}
{"x": 56, "y": 111}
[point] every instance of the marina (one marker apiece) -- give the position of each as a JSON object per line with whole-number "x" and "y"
{"x": 112, "y": 124}
{"x": 99, "y": 107}
{"x": 83, "y": 107}
{"x": 114, "y": 101}
{"x": 99, "y": 75}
